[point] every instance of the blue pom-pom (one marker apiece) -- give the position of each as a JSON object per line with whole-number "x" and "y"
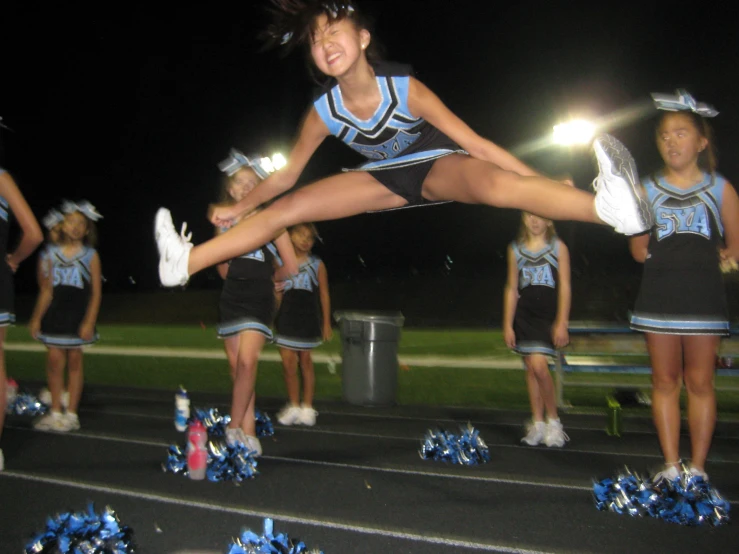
{"x": 466, "y": 448}
{"x": 216, "y": 423}
{"x": 264, "y": 424}
{"x": 686, "y": 500}
{"x": 225, "y": 463}
{"x": 83, "y": 532}
{"x": 251, "y": 543}
{"x": 26, "y": 404}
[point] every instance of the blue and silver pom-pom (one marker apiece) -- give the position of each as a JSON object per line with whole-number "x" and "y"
{"x": 26, "y": 404}
{"x": 467, "y": 448}
{"x": 688, "y": 499}
{"x": 216, "y": 423}
{"x": 251, "y": 543}
{"x": 84, "y": 532}
{"x": 225, "y": 463}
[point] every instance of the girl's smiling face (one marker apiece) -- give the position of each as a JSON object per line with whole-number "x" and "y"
{"x": 335, "y": 47}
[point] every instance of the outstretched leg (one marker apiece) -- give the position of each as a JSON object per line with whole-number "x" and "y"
{"x": 665, "y": 355}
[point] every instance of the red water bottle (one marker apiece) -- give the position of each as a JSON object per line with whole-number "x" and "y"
{"x": 197, "y": 455}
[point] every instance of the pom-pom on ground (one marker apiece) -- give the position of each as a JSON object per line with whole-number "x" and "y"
{"x": 466, "y": 448}
{"x": 249, "y": 542}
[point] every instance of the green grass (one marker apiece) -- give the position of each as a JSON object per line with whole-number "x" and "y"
{"x": 497, "y": 388}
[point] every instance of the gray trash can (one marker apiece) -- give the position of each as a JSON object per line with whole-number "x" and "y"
{"x": 369, "y": 354}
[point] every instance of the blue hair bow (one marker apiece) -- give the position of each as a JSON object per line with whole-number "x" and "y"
{"x": 52, "y": 219}
{"x": 84, "y": 207}
{"x": 682, "y": 101}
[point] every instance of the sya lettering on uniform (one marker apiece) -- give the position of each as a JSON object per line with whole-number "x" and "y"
{"x": 302, "y": 281}
{"x": 537, "y": 275}
{"x": 68, "y": 277}
{"x": 257, "y": 255}
{"x": 389, "y": 148}
{"x": 691, "y": 219}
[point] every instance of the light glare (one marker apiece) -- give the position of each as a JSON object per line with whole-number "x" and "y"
{"x": 574, "y": 132}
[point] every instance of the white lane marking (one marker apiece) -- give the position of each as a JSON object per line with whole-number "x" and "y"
{"x": 277, "y": 516}
{"x": 491, "y": 362}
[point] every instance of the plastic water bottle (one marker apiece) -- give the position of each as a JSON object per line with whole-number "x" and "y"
{"x": 197, "y": 455}
{"x": 11, "y": 391}
{"x": 181, "y": 410}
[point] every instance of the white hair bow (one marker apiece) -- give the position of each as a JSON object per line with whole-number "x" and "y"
{"x": 52, "y": 219}
{"x": 84, "y": 207}
{"x": 682, "y": 101}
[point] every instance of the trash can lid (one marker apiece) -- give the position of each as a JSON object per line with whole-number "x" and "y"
{"x": 394, "y": 318}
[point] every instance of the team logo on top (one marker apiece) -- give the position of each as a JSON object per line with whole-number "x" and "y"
{"x": 257, "y": 255}
{"x": 388, "y": 149}
{"x": 690, "y": 219}
{"x": 537, "y": 275}
{"x": 68, "y": 277}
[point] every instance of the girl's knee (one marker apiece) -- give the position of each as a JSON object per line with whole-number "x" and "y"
{"x": 699, "y": 383}
{"x": 666, "y": 382}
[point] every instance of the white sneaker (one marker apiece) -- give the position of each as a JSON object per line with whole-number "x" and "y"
{"x": 669, "y": 473}
{"x": 620, "y": 200}
{"x": 45, "y": 397}
{"x": 235, "y": 436}
{"x": 695, "y": 472}
{"x": 174, "y": 250}
{"x": 555, "y": 434}
{"x": 307, "y": 415}
{"x": 535, "y": 433}
{"x": 54, "y": 421}
{"x": 253, "y": 445}
{"x": 2, "y": 461}
{"x": 73, "y": 421}
{"x": 289, "y": 415}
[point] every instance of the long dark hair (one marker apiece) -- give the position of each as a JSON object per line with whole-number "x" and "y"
{"x": 708, "y": 158}
{"x": 295, "y": 21}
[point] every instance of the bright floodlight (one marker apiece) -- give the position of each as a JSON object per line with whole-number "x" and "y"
{"x": 278, "y": 161}
{"x": 574, "y": 132}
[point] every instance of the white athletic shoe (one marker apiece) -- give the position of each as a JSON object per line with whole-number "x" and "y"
{"x": 289, "y": 415}
{"x": 73, "y": 421}
{"x": 53, "y": 421}
{"x": 555, "y": 435}
{"x": 620, "y": 199}
{"x": 253, "y": 445}
{"x": 235, "y": 436}
{"x": 669, "y": 473}
{"x": 695, "y": 472}
{"x": 535, "y": 433}
{"x": 174, "y": 250}
{"x": 307, "y": 415}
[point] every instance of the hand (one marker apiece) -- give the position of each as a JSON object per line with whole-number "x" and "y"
{"x": 560, "y": 334}
{"x": 11, "y": 262}
{"x": 86, "y": 331}
{"x": 34, "y": 328}
{"x": 509, "y": 337}
{"x": 223, "y": 216}
{"x": 328, "y": 332}
{"x": 727, "y": 262}
{"x": 282, "y": 286}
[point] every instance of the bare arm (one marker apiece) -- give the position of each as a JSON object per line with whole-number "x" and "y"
{"x": 32, "y": 235}
{"x": 730, "y": 218}
{"x": 639, "y": 247}
{"x": 87, "y": 327}
{"x": 312, "y": 133}
{"x": 424, "y": 103}
{"x": 45, "y": 294}
{"x": 287, "y": 254}
{"x": 510, "y": 299}
{"x": 560, "y": 333}
{"x": 325, "y": 301}
{"x": 222, "y": 268}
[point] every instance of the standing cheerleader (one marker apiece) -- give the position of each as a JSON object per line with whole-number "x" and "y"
{"x": 681, "y": 306}
{"x": 67, "y": 310}
{"x": 303, "y": 322}
{"x": 247, "y": 305}
{"x": 536, "y": 311}
{"x": 418, "y": 152}
{"x": 12, "y": 201}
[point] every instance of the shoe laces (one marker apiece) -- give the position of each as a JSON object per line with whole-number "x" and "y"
{"x": 184, "y": 235}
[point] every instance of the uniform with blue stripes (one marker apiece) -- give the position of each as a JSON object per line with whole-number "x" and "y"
{"x": 72, "y": 289}
{"x": 392, "y": 138}
{"x": 536, "y": 309}
{"x": 682, "y": 290}
{"x": 298, "y": 323}
{"x": 248, "y": 298}
{"x": 7, "y": 312}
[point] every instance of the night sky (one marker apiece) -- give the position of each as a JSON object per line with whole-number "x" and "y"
{"x": 132, "y": 108}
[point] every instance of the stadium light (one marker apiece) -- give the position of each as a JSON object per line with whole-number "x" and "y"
{"x": 574, "y": 132}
